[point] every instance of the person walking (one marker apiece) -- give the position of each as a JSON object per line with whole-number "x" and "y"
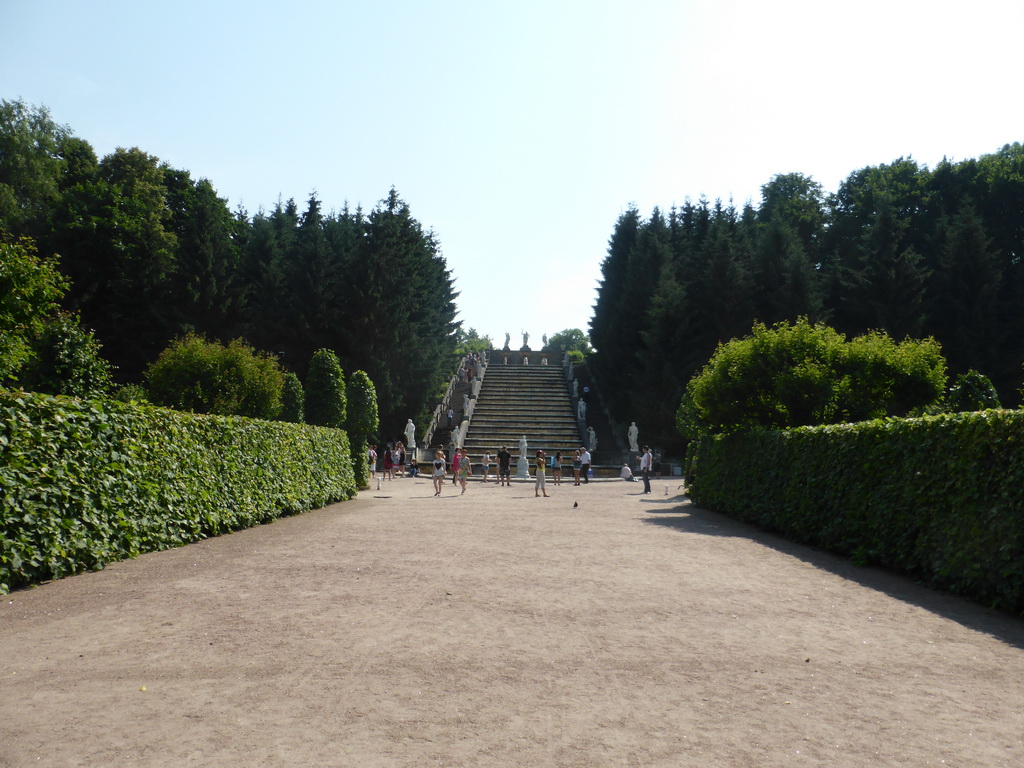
{"x": 456, "y": 458}
{"x": 585, "y": 464}
{"x": 451, "y": 417}
{"x": 389, "y": 463}
{"x": 576, "y": 466}
{"x": 487, "y": 463}
{"x": 646, "y": 465}
{"x": 465, "y": 469}
{"x": 539, "y": 487}
{"x": 504, "y": 467}
{"x": 440, "y": 472}
{"x": 371, "y": 459}
{"x": 556, "y": 468}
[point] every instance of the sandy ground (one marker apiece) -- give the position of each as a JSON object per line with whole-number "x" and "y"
{"x": 499, "y": 629}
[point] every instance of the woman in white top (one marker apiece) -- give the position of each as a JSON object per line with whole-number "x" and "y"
{"x": 440, "y": 471}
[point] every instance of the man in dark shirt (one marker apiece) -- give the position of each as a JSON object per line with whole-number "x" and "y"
{"x": 504, "y": 467}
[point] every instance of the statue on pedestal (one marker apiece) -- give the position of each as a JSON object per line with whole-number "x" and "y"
{"x": 456, "y": 437}
{"x": 410, "y": 434}
{"x": 581, "y": 410}
{"x": 507, "y": 337}
{"x": 465, "y": 403}
{"x": 523, "y": 465}
{"x": 593, "y": 439}
{"x": 633, "y": 432}
{"x": 575, "y": 388}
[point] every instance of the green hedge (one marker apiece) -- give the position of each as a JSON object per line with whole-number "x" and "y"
{"x": 940, "y": 497}
{"x": 84, "y": 483}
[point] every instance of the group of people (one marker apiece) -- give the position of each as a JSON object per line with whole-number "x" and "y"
{"x": 469, "y": 367}
{"x": 392, "y": 463}
{"x": 462, "y": 468}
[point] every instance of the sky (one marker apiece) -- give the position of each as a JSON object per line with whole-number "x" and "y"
{"x": 520, "y": 131}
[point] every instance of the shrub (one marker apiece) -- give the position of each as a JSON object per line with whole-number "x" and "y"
{"x": 66, "y": 360}
{"x": 87, "y": 482}
{"x": 803, "y": 374}
{"x": 362, "y": 421}
{"x": 30, "y": 289}
{"x": 131, "y": 393}
{"x": 193, "y": 374}
{"x": 939, "y": 497}
{"x": 971, "y": 391}
{"x": 325, "y": 390}
{"x": 293, "y": 400}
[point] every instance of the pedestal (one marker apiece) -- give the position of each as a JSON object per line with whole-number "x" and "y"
{"x": 523, "y": 468}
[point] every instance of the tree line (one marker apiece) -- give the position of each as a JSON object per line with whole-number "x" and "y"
{"x": 899, "y": 248}
{"x": 152, "y": 254}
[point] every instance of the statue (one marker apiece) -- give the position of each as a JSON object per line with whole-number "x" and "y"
{"x": 575, "y": 388}
{"x": 507, "y": 337}
{"x": 522, "y": 447}
{"x": 633, "y": 432}
{"x": 410, "y": 434}
{"x": 593, "y": 439}
{"x": 581, "y": 410}
{"x": 465, "y": 403}
{"x": 526, "y": 338}
{"x": 456, "y": 437}
{"x": 544, "y": 338}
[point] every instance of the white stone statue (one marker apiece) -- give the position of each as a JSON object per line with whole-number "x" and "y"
{"x": 581, "y": 411}
{"x": 575, "y": 387}
{"x": 633, "y": 432}
{"x": 465, "y": 403}
{"x": 456, "y": 437}
{"x": 507, "y": 337}
{"x": 410, "y": 434}
{"x": 526, "y": 338}
{"x": 544, "y": 338}
{"x": 593, "y": 439}
{"x": 522, "y": 447}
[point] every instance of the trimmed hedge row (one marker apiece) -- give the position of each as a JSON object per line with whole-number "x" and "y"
{"x": 940, "y": 497}
{"x": 84, "y": 483}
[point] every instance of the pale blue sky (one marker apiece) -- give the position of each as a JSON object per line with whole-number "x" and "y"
{"x": 519, "y": 131}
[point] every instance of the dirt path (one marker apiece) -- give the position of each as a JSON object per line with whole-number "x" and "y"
{"x": 497, "y": 629}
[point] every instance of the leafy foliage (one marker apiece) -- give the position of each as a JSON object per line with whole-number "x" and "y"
{"x": 84, "y": 483}
{"x": 197, "y": 375}
{"x": 293, "y": 400}
{"x": 361, "y": 421}
{"x": 30, "y": 289}
{"x": 899, "y": 248}
{"x": 66, "y": 360}
{"x": 938, "y": 497}
{"x": 972, "y": 391}
{"x": 571, "y": 340}
{"x": 806, "y": 374}
{"x": 325, "y": 390}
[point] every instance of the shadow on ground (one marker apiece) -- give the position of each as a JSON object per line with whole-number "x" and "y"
{"x": 678, "y": 513}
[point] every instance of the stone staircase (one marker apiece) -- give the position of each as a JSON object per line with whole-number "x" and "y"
{"x": 517, "y": 400}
